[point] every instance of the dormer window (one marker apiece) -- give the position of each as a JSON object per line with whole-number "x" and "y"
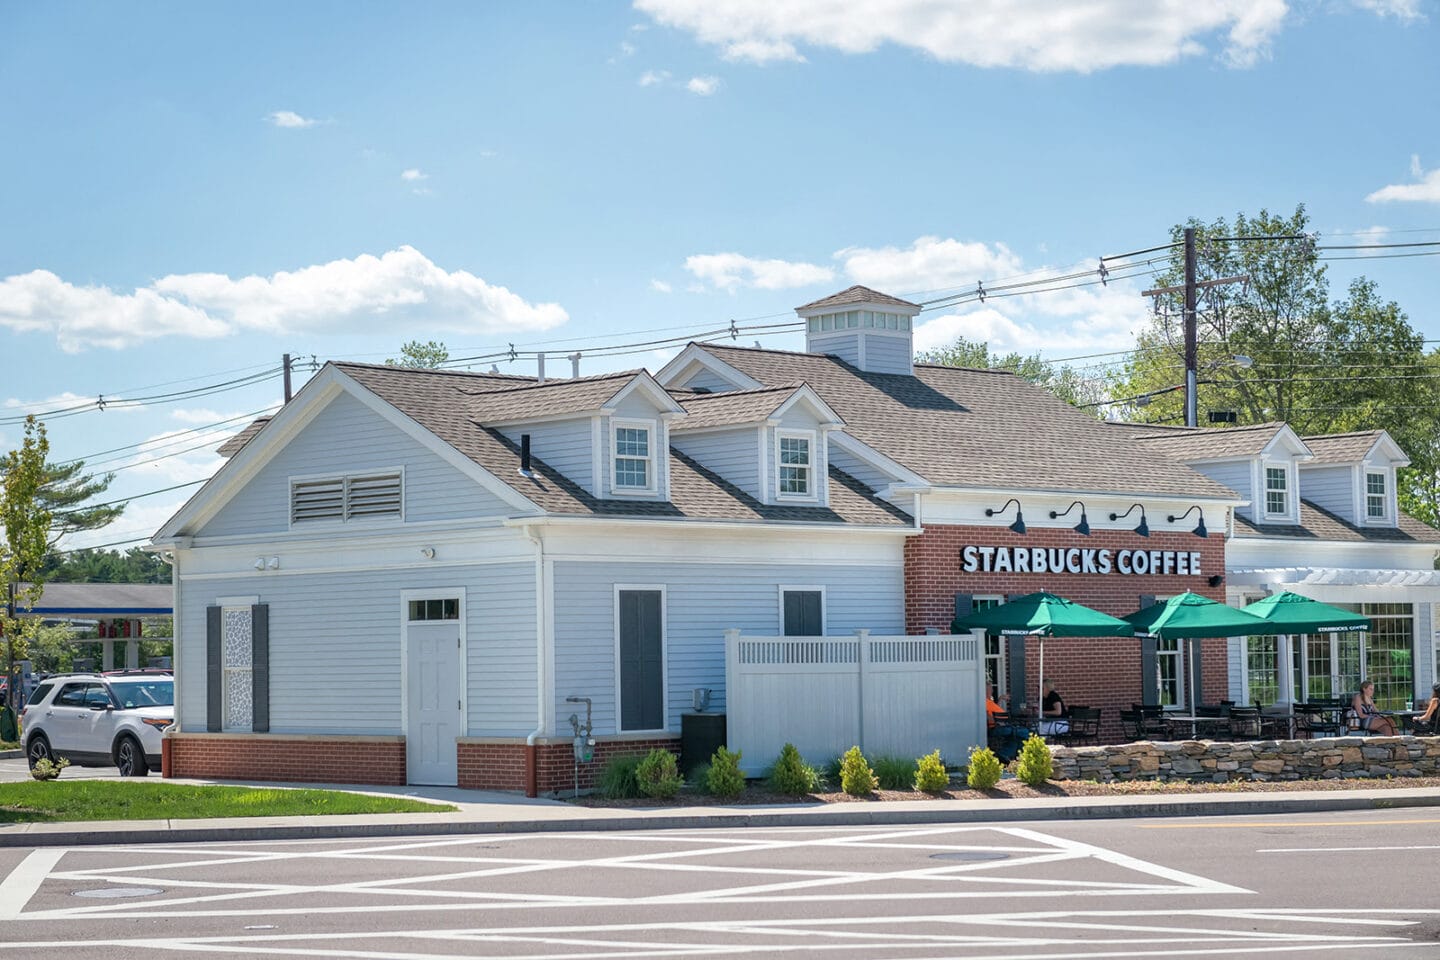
{"x": 795, "y": 462}
{"x": 634, "y": 457}
{"x": 1277, "y": 491}
{"x": 1377, "y": 502}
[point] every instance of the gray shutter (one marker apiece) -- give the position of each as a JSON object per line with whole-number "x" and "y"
{"x": 964, "y": 606}
{"x": 1149, "y": 662}
{"x": 1015, "y": 664}
{"x": 214, "y": 671}
{"x": 260, "y": 667}
{"x": 641, "y": 693}
{"x": 803, "y": 613}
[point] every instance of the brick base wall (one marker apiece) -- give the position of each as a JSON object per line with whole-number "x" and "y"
{"x": 1327, "y": 759}
{"x": 289, "y": 758}
{"x": 500, "y": 764}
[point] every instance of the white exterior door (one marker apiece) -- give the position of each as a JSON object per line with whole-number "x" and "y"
{"x": 434, "y": 701}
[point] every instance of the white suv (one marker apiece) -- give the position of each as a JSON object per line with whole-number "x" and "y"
{"x": 100, "y": 719}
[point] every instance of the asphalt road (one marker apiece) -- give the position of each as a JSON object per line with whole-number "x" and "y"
{"x": 1290, "y": 885}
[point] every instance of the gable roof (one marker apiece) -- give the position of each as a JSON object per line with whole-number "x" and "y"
{"x": 731, "y": 408}
{"x": 233, "y": 446}
{"x": 1317, "y": 523}
{"x": 1210, "y": 443}
{"x": 856, "y": 294}
{"x": 1343, "y": 447}
{"x": 977, "y": 428}
{"x": 551, "y": 398}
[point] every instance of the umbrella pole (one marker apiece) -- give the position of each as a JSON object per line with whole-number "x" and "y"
{"x": 1194, "y": 655}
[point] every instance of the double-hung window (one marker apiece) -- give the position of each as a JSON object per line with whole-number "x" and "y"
{"x": 634, "y": 457}
{"x": 795, "y": 465}
{"x": 1377, "y": 505}
{"x": 1277, "y": 492}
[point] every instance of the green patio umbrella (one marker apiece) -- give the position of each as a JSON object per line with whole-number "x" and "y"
{"x": 1043, "y": 615}
{"x": 1190, "y": 616}
{"x": 1291, "y": 613}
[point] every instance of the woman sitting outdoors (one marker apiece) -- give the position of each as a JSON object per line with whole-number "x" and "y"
{"x": 1367, "y": 716}
{"x": 1428, "y": 723}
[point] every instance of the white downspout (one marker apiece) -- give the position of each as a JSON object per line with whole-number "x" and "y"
{"x": 542, "y": 671}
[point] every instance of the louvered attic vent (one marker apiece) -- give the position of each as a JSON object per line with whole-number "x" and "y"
{"x": 345, "y": 498}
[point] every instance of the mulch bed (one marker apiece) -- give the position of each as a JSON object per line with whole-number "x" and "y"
{"x": 759, "y": 794}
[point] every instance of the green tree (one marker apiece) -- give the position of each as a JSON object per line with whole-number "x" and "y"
{"x": 90, "y": 565}
{"x": 26, "y": 522}
{"x": 427, "y": 355}
{"x": 65, "y": 489}
{"x": 1321, "y": 365}
{"x": 1062, "y": 381}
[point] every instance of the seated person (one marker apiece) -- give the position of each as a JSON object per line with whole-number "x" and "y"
{"x": 1367, "y": 715}
{"x": 1428, "y": 722}
{"x": 1004, "y": 737}
{"x": 1052, "y": 710}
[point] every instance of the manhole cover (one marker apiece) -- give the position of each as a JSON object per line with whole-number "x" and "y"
{"x": 970, "y": 855}
{"x": 119, "y": 892}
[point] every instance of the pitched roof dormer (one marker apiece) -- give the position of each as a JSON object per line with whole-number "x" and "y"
{"x": 869, "y": 330}
{"x": 1353, "y": 476}
{"x": 1259, "y": 462}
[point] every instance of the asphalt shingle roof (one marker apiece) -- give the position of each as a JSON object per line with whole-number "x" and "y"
{"x": 234, "y": 445}
{"x": 1320, "y": 524}
{"x": 443, "y": 403}
{"x": 553, "y": 397}
{"x": 730, "y": 408}
{"x": 1342, "y": 447}
{"x": 1212, "y": 443}
{"x": 857, "y": 294}
{"x": 977, "y": 428}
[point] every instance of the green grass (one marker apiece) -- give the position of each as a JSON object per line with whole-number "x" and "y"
{"x": 59, "y": 800}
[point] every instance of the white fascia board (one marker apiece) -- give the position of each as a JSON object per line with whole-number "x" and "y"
{"x": 1385, "y": 447}
{"x": 715, "y": 544}
{"x": 895, "y": 308}
{"x": 749, "y": 526}
{"x": 1285, "y": 551}
{"x": 236, "y": 471}
{"x": 823, "y": 411}
{"x": 1287, "y": 437}
{"x": 863, "y": 451}
{"x": 1075, "y": 493}
{"x": 340, "y": 538}
{"x": 643, "y": 381}
{"x": 694, "y": 354}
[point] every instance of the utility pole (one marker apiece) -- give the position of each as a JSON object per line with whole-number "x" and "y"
{"x": 287, "y": 378}
{"x": 1191, "y": 363}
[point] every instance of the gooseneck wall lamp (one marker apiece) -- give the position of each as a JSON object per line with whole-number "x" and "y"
{"x": 1199, "y": 530}
{"x": 1019, "y": 525}
{"x": 1083, "y": 527}
{"x": 1144, "y": 528}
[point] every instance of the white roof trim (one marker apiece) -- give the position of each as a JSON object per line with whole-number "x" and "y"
{"x": 1292, "y": 440}
{"x": 859, "y": 448}
{"x": 694, "y": 353}
{"x": 1338, "y": 576}
{"x": 643, "y": 381}
{"x": 805, "y": 392}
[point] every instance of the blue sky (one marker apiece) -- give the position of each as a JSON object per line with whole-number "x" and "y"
{"x": 194, "y": 189}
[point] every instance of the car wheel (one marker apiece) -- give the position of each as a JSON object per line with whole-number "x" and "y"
{"x": 130, "y": 758}
{"x": 38, "y": 749}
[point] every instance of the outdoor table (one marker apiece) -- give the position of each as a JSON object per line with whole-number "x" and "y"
{"x": 1197, "y": 721}
{"x": 1402, "y": 718}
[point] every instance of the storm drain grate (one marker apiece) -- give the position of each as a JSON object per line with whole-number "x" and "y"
{"x": 106, "y": 892}
{"x": 970, "y": 855}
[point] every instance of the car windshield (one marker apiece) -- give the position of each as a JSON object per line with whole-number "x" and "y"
{"x": 144, "y": 693}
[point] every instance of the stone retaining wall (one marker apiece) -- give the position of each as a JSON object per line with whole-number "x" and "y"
{"x": 1326, "y": 758}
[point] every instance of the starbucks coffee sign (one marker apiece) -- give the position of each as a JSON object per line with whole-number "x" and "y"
{"x": 1126, "y": 563}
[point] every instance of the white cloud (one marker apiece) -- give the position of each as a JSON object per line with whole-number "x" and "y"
{"x": 290, "y": 120}
{"x": 929, "y": 263}
{"x": 413, "y": 175}
{"x": 1399, "y": 9}
{"x": 1042, "y": 35}
{"x": 399, "y": 290}
{"x": 1426, "y": 189}
{"x": 652, "y": 77}
{"x": 727, "y": 271}
{"x": 660, "y": 286}
{"x": 1371, "y": 236}
{"x": 703, "y": 86}
{"x": 202, "y": 415}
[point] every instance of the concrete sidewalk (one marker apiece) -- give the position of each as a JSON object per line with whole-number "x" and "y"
{"x": 481, "y": 812}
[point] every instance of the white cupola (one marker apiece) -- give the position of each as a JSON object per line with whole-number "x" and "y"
{"x": 865, "y": 328}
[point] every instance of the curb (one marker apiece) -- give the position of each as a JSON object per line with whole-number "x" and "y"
{"x": 88, "y": 836}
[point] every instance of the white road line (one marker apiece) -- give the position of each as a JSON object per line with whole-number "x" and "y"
{"x": 1343, "y": 849}
{"x": 1189, "y": 880}
{"x": 17, "y": 888}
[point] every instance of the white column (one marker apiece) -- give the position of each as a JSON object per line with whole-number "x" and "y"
{"x": 107, "y": 659}
{"x": 132, "y": 653}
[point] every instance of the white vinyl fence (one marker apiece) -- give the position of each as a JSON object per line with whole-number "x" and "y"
{"x": 898, "y": 696}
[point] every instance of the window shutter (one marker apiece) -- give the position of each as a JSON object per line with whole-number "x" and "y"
{"x": 964, "y": 606}
{"x": 214, "y": 671}
{"x": 1149, "y": 662}
{"x": 1015, "y": 661}
{"x": 260, "y": 667}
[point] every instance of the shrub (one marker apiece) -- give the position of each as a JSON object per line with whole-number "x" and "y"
{"x": 894, "y": 773}
{"x": 1035, "y": 765}
{"x": 47, "y": 769}
{"x": 791, "y": 775}
{"x": 724, "y": 778}
{"x": 617, "y": 779}
{"x": 984, "y": 771}
{"x": 856, "y": 777}
{"x": 930, "y": 773}
{"x": 658, "y": 776}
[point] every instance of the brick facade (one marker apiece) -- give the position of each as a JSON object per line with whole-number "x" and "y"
{"x": 287, "y": 757}
{"x": 500, "y": 764}
{"x": 1102, "y": 673}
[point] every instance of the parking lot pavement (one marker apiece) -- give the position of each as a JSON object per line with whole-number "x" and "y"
{"x": 15, "y": 768}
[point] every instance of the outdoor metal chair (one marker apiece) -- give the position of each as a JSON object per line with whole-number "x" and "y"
{"x": 1153, "y": 722}
{"x": 1320, "y": 718}
{"x": 1245, "y": 723}
{"x": 1133, "y": 723}
{"x": 1276, "y": 721}
{"x": 1084, "y": 726}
